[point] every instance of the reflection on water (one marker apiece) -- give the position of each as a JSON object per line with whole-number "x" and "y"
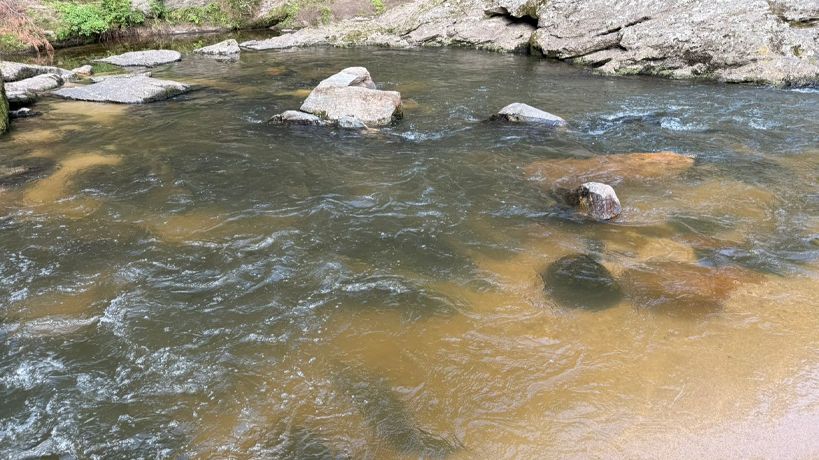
{"x": 181, "y": 278}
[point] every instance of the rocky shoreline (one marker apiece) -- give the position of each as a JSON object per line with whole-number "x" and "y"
{"x": 756, "y": 41}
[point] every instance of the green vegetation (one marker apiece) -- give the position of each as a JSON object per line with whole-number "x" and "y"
{"x": 378, "y": 5}
{"x": 94, "y": 19}
{"x": 4, "y": 108}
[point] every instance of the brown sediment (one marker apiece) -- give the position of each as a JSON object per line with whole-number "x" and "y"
{"x": 55, "y": 187}
{"x": 610, "y": 169}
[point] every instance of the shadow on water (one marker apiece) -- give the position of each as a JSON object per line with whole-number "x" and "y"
{"x": 389, "y": 417}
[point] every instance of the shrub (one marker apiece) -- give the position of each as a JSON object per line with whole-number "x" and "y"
{"x": 93, "y": 19}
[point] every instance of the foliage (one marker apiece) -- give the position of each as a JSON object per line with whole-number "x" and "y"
{"x": 378, "y": 5}
{"x": 94, "y": 19}
{"x": 18, "y": 30}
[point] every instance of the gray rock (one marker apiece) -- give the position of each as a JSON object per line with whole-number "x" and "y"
{"x": 351, "y": 93}
{"x": 597, "y": 200}
{"x": 514, "y": 8}
{"x": 295, "y": 117}
{"x": 372, "y": 107}
{"x": 15, "y": 71}
{"x": 26, "y": 91}
{"x": 84, "y": 71}
{"x": 753, "y": 40}
{"x": 351, "y": 76}
{"x": 148, "y": 58}
{"x": 125, "y": 90}
{"x": 346, "y": 122}
{"x": 225, "y": 48}
{"x": 23, "y": 112}
{"x": 522, "y": 113}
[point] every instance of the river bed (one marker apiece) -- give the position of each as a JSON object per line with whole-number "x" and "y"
{"x": 183, "y": 279}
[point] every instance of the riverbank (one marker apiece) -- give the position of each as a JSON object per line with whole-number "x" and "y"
{"x": 764, "y": 42}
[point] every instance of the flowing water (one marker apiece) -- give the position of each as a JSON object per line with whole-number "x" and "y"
{"x": 181, "y": 279}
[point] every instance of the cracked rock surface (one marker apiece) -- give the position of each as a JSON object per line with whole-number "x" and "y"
{"x": 760, "y": 41}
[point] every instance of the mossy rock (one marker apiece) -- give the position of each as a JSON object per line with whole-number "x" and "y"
{"x": 4, "y": 108}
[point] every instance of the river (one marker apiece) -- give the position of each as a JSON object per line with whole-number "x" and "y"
{"x": 184, "y": 280}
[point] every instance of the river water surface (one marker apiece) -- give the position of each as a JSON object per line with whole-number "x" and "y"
{"x": 181, "y": 279}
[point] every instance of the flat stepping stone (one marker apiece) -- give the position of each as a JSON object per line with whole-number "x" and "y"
{"x": 27, "y": 90}
{"x": 523, "y": 113}
{"x": 148, "y": 58}
{"x": 137, "y": 89}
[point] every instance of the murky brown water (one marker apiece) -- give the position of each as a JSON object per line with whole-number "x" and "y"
{"x": 182, "y": 279}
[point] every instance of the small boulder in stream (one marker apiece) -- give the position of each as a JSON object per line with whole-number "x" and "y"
{"x": 295, "y": 117}
{"x": 579, "y": 281}
{"x": 83, "y": 71}
{"x": 148, "y": 58}
{"x": 596, "y": 200}
{"x": 349, "y": 100}
{"x": 136, "y": 89}
{"x": 523, "y": 113}
{"x": 226, "y": 48}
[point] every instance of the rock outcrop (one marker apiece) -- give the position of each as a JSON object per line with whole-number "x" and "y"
{"x": 136, "y": 89}
{"x": 347, "y": 99}
{"x": 225, "y": 48}
{"x": 148, "y": 58}
{"x": 522, "y": 113}
{"x": 418, "y": 23}
{"x": 763, "y": 41}
{"x": 596, "y": 200}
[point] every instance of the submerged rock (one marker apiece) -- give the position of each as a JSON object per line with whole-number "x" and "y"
{"x": 100, "y": 78}
{"x": 390, "y": 418}
{"x": 611, "y": 169}
{"x": 579, "y": 281}
{"x": 683, "y": 288}
{"x": 125, "y": 90}
{"x": 225, "y": 48}
{"x": 23, "y": 112}
{"x": 596, "y": 200}
{"x": 15, "y": 71}
{"x": 522, "y": 113}
{"x": 27, "y": 90}
{"x": 22, "y": 172}
{"x": 148, "y": 58}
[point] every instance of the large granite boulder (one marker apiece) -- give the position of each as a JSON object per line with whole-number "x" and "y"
{"x": 523, "y": 113}
{"x": 351, "y": 93}
{"x": 753, "y": 40}
{"x": 226, "y": 48}
{"x": 15, "y": 71}
{"x": 347, "y": 99}
{"x": 137, "y": 89}
{"x": 148, "y": 58}
{"x": 27, "y": 90}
